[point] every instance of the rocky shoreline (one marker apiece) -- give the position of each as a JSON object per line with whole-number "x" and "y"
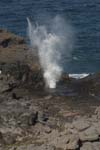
{"x": 34, "y": 118}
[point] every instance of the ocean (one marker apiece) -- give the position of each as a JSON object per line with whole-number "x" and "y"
{"x": 83, "y": 15}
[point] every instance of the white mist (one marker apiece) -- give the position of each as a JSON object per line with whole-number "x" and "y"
{"x": 51, "y": 44}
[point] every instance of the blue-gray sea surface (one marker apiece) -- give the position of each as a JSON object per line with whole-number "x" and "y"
{"x": 84, "y": 16}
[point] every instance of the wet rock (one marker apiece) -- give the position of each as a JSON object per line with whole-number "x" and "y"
{"x": 81, "y": 124}
{"x": 89, "y": 134}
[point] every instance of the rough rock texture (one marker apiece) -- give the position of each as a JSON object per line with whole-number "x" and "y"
{"x": 14, "y": 53}
{"x": 35, "y": 118}
{"x": 12, "y": 47}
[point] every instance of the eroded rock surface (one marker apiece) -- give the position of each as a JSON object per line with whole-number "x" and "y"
{"x": 35, "y": 118}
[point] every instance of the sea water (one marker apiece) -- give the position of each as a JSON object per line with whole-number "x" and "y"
{"x": 83, "y": 15}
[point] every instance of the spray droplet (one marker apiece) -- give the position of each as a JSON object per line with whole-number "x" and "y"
{"x": 51, "y": 44}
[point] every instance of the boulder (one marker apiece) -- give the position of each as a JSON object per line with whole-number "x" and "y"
{"x": 73, "y": 142}
{"x": 81, "y": 124}
{"x": 87, "y": 146}
{"x": 89, "y": 134}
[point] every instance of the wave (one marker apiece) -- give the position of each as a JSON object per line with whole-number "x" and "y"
{"x": 79, "y": 76}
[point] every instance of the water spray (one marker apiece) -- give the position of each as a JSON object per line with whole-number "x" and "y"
{"x": 50, "y": 45}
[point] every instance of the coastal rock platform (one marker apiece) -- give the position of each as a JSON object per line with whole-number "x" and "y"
{"x": 33, "y": 117}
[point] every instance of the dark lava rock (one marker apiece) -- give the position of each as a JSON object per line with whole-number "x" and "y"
{"x": 27, "y": 119}
{"x": 33, "y": 118}
{"x": 14, "y": 96}
{"x": 42, "y": 117}
{"x": 5, "y": 43}
{"x": 1, "y": 139}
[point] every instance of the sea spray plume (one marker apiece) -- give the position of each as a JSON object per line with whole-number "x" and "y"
{"x": 51, "y": 44}
{"x": 49, "y": 59}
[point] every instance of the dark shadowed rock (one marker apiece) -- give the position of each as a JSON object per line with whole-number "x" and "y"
{"x": 43, "y": 117}
{"x": 33, "y": 119}
{"x": 1, "y": 139}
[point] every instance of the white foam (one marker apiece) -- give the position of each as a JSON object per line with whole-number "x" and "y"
{"x": 79, "y": 76}
{"x": 51, "y": 45}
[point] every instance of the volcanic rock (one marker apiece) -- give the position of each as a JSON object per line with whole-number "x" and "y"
{"x": 96, "y": 145}
{"x": 12, "y": 47}
{"x": 87, "y": 146}
{"x": 97, "y": 112}
{"x": 9, "y": 138}
{"x": 89, "y": 134}
{"x": 33, "y": 118}
{"x": 91, "y": 146}
{"x": 16, "y": 59}
{"x": 97, "y": 126}
{"x": 48, "y": 130}
{"x": 42, "y": 117}
{"x": 73, "y": 142}
{"x": 81, "y": 124}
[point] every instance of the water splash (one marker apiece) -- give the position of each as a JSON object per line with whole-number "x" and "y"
{"x": 51, "y": 43}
